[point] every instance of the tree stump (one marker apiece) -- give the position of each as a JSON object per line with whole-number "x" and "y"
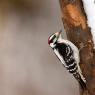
{"x": 75, "y": 24}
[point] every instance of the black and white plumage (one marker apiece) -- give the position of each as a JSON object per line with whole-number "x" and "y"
{"x": 68, "y": 54}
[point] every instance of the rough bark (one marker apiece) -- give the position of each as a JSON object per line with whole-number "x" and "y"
{"x": 75, "y": 24}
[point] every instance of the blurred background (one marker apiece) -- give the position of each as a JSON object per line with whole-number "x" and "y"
{"x": 28, "y": 65}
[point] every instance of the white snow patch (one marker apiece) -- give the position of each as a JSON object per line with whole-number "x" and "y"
{"x": 89, "y": 6}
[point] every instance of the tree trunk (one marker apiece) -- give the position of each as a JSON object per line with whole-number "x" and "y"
{"x": 75, "y": 24}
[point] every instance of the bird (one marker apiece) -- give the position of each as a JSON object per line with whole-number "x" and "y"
{"x": 69, "y": 56}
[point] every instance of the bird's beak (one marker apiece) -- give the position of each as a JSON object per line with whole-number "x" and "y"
{"x": 58, "y": 34}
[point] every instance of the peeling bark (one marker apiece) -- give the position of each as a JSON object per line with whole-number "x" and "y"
{"x": 75, "y": 24}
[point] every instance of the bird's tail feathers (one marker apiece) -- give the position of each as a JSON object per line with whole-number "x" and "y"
{"x": 82, "y": 84}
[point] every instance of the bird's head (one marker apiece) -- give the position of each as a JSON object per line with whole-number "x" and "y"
{"x": 54, "y": 38}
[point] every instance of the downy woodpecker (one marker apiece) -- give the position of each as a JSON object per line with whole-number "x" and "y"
{"x": 68, "y": 54}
